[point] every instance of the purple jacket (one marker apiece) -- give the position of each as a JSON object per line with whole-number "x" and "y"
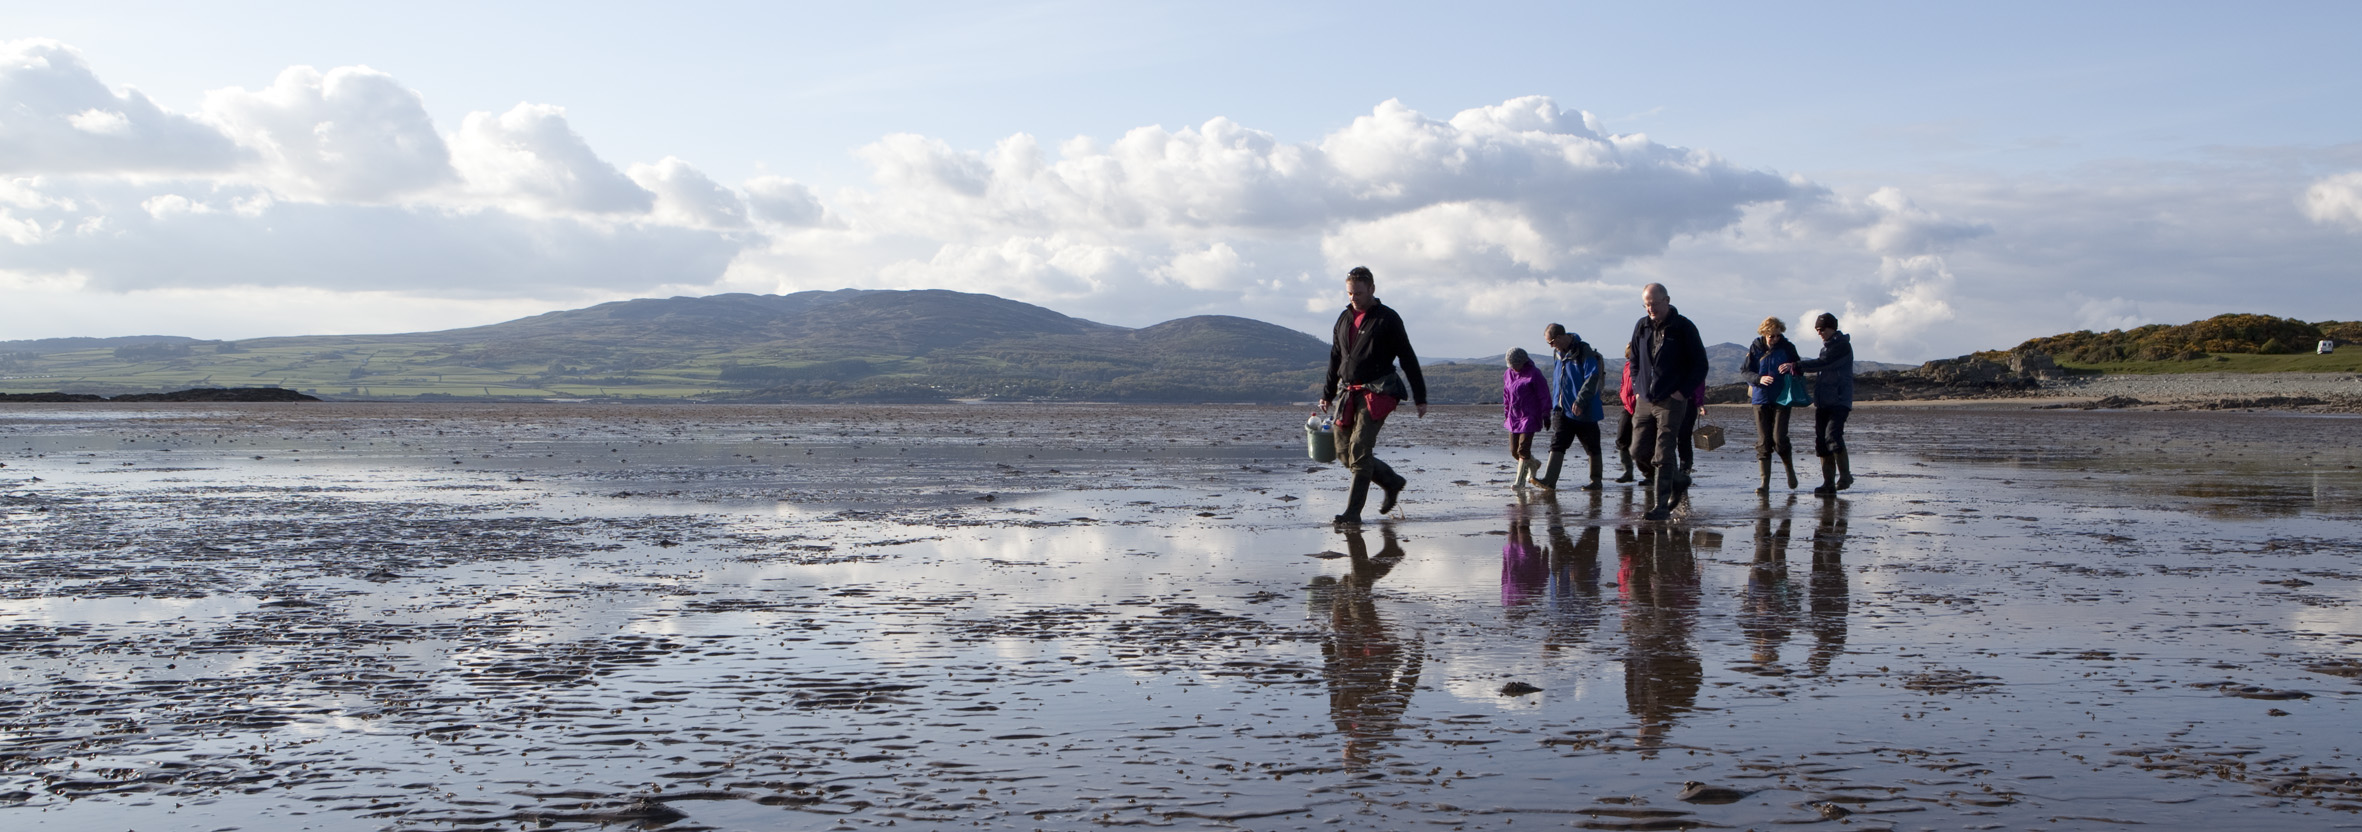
{"x": 1525, "y": 400}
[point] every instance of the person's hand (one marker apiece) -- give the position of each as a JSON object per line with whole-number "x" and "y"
{"x": 1789, "y": 368}
{"x": 1324, "y": 405}
{"x": 1701, "y": 410}
{"x": 1422, "y": 408}
{"x": 1765, "y": 381}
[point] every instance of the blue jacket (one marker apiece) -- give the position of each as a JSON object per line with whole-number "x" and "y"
{"x": 1763, "y": 360}
{"x": 1833, "y": 372}
{"x": 1575, "y": 393}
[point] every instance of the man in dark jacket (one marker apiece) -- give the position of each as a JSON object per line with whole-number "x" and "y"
{"x": 1369, "y": 340}
{"x": 1668, "y": 362}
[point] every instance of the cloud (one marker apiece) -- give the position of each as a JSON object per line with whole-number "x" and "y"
{"x": 687, "y": 197}
{"x": 783, "y": 201}
{"x": 353, "y": 134}
{"x": 2336, "y": 200}
{"x": 530, "y": 159}
{"x": 130, "y": 236}
{"x": 56, "y": 117}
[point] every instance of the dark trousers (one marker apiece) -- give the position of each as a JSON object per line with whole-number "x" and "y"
{"x": 1685, "y": 443}
{"x": 1521, "y": 446}
{"x": 1656, "y": 433}
{"x": 1563, "y": 433}
{"x": 1624, "y": 454}
{"x": 1771, "y": 431}
{"x": 1829, "y": 430}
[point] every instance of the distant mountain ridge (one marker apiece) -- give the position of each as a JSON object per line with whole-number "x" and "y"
{"x": 843, "y": 345}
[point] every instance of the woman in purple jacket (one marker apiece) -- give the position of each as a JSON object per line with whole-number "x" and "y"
{"x": 1525, "y": 408}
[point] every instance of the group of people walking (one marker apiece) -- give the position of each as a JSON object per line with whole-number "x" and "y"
{"x": 1662, "y": 393}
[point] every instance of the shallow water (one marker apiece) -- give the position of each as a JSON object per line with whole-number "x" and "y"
{"x": 1056, "y": 617}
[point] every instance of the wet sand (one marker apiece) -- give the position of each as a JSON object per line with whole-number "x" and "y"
{"x": 350, "y": 616}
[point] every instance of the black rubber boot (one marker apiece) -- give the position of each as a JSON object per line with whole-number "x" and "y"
{"x": 1663, "y": 498}
{"x": 1788, "y": 461}
{"x": 1550, "y": 472}
{"x": 1593, "y": 485}
{"x": 1354, "y": 500}
{"x": 1828, "y": 486}
{"x": 1763, "y": 468}
{"x": 1845, "y": 471}
{"x": 1389, "y": 481}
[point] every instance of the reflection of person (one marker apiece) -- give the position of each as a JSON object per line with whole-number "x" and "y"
{"x": 1830, "y": 599}
{"x": 1769, "y": 612}
{"x": 1575, "y": 410}
{"x": 1525, "y": 572}
{"x": 1669, "y": 362}
{"x": 1771, "y": 351}
{"x": 1662, "y": 672}
{"x": 1368, "y": 342}
{"x": 1833, "y": 401}
{"x": 1573, "y": 590}
{"x": 1525, "y": 407}
{"x": 1370, "y": 673}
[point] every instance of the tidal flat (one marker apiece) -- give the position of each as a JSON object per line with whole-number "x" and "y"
{"x": 388, "y": 616}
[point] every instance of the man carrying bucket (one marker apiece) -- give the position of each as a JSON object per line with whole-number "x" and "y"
{"x": 1368, "y": 342}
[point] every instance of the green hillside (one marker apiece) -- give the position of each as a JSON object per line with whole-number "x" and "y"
{"x": 2232, "y": 343}
{"x": 848, "y": 345}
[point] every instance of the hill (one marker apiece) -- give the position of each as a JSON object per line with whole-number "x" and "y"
{"x": 2232, "y": 334}
{"x": 845, "y": 345}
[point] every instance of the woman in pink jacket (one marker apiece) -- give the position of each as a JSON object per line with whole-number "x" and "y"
{"x": 1525, "y": 408}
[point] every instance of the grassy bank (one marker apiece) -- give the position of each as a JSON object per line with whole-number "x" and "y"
{"x": 2347, "y": 360}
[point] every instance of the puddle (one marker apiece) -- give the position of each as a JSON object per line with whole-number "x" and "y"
{"x": 1072, "y": 617}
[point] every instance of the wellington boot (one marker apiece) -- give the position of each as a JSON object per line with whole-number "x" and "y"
{"x": 1389, "y": 482}
{"x": 1550, "y": 473}
{"x": 1828, "y": 486}
{"x": 1354, "y": 499}
{"x": 1788, "y": 461}
{"x": 1593, "y": 485}
{"x": 1763, "y": 468}
{"x": 1845, "y": 471}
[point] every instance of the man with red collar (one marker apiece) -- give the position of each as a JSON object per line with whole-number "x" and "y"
{"x": 1368, "y": 342}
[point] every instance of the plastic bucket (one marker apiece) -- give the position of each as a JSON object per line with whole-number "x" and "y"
{"x": 1320, "y": 440}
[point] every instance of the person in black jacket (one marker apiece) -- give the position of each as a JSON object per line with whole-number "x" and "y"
{"x": 1369, "y": 341}
{"x": 1668, "y": 363}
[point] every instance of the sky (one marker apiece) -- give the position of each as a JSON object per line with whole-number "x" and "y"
{"x": 1943, "y": 177}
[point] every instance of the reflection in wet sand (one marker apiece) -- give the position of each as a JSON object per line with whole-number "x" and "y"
{"x": 1830, "y": 596}
{"x": 1659, "y": 580}
{"x": 1769, "y": 613}
{"x": 1371, "y": 672}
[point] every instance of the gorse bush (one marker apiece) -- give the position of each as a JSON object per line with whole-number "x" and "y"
{"x": 2235, "y": 333}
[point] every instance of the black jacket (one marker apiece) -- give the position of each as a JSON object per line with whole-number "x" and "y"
{"x": 1677, "y": 365}
{"x": 1369, "y": 355}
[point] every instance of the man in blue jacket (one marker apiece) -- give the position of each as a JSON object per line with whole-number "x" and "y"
{"x": 1668, "y": 361}
{"x": 1574, "y": 402}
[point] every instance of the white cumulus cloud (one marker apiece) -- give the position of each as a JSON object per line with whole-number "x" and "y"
{"x": 2336, "y": 200}
{"x": 352, "y": 134}
{"x": 529, "y": 158}
{"x": 687, "y": 197}
{"x": 57, "y": 117}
